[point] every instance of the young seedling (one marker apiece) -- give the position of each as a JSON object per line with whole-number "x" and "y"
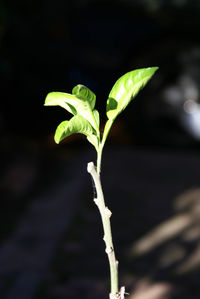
{"x": 86, "y": 120}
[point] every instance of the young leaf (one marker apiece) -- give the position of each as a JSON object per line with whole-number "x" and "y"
{"x": 77, "y": 124}
{"x": 75, "y": 104}
{"x": 85, "y": 94}
{"x": 96, "y": 116}
{"x": 64, "y": 100}
{"x": 126, "y": 88}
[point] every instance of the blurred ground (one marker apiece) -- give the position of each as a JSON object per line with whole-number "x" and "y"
{"x": 53, "y": 248}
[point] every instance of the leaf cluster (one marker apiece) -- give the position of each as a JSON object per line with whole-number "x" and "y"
{"x": 81, "y": 104}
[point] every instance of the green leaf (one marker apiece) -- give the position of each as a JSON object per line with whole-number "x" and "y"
{"x": 84, "y": 93}
{"x": 80, "y": 103}
{"x": 96, "y": 116}
{"x": 126, "y": 88}
{"x": 77, "y": 124}
{"x": 62, "y": 99}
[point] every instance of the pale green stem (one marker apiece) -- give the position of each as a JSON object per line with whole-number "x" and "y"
{"x": 107, "y": 128}
{"x": 105, "y": 216}
{"x": 101, "y": 145}
{"x": 99, "y": 155}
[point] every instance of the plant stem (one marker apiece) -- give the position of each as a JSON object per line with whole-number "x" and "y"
{"x": 107, "y": 128}
{"x": 105, "y": 216}
{"x": 99, "y": 155}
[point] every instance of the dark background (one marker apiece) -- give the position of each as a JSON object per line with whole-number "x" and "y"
{"x": 52, "y": 46}
{"x": 48, "y": 46}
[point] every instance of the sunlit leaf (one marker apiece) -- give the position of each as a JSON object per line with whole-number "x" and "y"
{"x": 96, "y": 116}
{"x": 77, "y": 124}
{"x": 64, "y": 100}
{"x": 84, "y": 93}
{"x": 74, "y": 103}
{"x": 126, "y": 88}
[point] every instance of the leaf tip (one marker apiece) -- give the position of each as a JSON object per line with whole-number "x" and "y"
{"x": 154, "y": 68}
{"x": 48, "y": 99}
{"x": 56, "y": 139}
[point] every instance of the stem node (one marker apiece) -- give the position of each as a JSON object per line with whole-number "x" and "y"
{"x": 108, "y": 212}
{"x": 109, "y": 250}
{"x": 96, "y": 201}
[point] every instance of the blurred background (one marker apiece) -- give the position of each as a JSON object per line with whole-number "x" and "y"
{"x": 51, "y": 235}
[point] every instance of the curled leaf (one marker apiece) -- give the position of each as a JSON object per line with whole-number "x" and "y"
{"x": 62, "y": 99}
{"x": 77, "y": 124}
{"x": 85, "y": 94}
{"x": 81, "y": 102}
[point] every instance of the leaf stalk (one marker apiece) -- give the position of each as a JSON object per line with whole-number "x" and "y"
{"x": 107, "y": 128}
